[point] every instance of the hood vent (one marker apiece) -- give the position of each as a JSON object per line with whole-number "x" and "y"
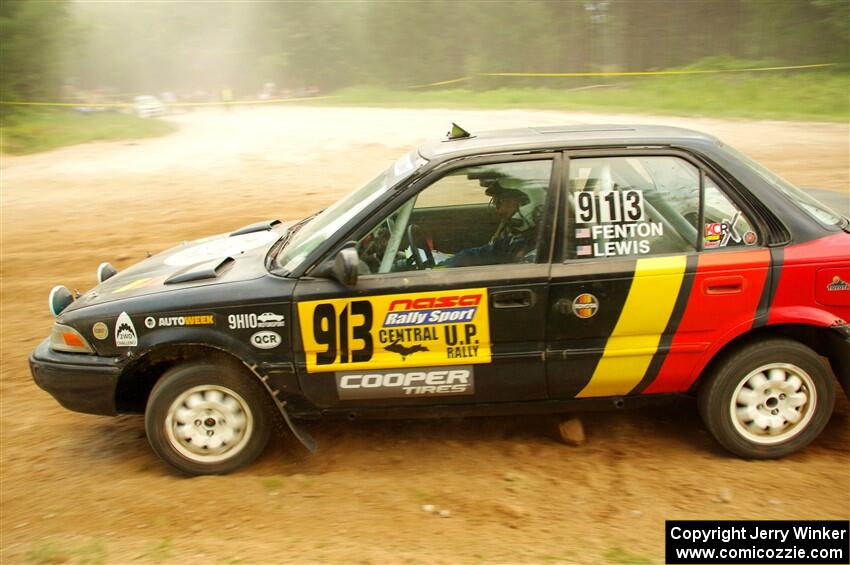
{"x": 259, "y": 226}
{"x": 200, "y": 271}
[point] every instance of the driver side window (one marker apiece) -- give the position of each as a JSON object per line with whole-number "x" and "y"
{"x": 481, "y": 215}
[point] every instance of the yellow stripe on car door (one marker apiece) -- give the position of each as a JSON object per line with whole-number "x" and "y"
{"x": 643, "y": 319}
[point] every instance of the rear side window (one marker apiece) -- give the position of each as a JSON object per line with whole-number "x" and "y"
{"x": 724, "y": 224}
{"x": 811, "y": 206}
{"x": 645, "y": 206}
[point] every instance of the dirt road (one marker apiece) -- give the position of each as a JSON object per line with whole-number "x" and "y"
{"x": 81, "y": 488}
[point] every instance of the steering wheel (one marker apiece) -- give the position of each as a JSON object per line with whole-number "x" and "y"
{"x": 412, "y": 231}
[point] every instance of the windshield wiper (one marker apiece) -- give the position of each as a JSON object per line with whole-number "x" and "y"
{"x": 287, "y": 236}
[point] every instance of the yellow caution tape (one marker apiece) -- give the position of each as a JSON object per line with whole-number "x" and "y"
{"x": 647, "y": 73}
{"x": 441, "y": 83}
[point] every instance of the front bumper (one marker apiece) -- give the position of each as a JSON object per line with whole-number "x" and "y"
{"x": 83, "y": 383}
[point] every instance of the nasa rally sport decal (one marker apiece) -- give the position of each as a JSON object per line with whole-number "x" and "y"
{"x": 400, "y": 383}
{"x": 396, "y": 330}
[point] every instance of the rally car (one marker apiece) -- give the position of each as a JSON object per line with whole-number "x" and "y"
{"x": 533, "y": 270}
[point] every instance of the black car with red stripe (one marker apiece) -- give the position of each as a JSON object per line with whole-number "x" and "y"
{"x": 532, "y": 270}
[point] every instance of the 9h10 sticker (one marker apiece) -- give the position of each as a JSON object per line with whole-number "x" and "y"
{"x": 430, "y": 381}
{"x": 175, "y": 321}
{"x": 429, "y": 328}
{"x": 253, "y": 321}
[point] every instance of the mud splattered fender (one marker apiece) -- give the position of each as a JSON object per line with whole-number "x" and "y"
{"x": 300, "y": 433}
{"x": 838, "y": 349}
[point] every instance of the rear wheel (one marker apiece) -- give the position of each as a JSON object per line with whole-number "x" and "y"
{"x": 207, "y": 419}
{"x": 767, "y": 399}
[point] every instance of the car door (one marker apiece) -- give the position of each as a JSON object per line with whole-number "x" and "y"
{"x": 420, "y": 329}
{"x": 658, "y": 265}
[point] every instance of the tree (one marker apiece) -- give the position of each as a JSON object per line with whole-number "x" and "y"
{"x": 31, "y": 52}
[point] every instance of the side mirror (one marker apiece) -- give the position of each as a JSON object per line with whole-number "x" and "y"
{"x": 346, "y": 266}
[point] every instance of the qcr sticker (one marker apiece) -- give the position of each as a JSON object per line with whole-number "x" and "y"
{"x": 265, "y": 339}
{"x": 396, "y": 330}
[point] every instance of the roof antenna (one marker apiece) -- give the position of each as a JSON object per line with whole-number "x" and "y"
{"x": 457, "y": 132}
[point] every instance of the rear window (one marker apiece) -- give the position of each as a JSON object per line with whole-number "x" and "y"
{"x": 811, "y": 206}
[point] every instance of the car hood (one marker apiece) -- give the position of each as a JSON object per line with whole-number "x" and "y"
{"x": 219, "y": 259}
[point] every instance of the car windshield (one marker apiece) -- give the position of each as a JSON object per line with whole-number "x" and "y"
{"x": 330, "y": 220}
{"x": 814, "y": 208}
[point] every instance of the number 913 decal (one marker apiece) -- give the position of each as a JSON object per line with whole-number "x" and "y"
{"x": 396, "y": 330}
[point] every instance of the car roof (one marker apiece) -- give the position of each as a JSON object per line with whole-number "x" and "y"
{"x": 562, "y": 137}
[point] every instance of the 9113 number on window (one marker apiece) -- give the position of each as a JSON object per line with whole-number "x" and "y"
{"x": 609, "y": 206}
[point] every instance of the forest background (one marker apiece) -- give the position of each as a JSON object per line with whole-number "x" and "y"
{"x": 51, "y": 48}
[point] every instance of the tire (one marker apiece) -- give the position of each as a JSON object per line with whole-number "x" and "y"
{"x": 205, "y": 419}
{"x": 767, "y": 399}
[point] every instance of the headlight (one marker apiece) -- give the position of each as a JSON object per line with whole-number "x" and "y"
{"x": 65, "y": 338}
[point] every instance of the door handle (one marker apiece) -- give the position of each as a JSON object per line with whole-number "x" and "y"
{"x": 564, "y": 306}
{"x": 733, "y": 284}
{"x": 513, "y": 299}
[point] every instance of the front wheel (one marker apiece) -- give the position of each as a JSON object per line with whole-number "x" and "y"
{"x": 207, "y": 419}
{"x": 767, "y": 399}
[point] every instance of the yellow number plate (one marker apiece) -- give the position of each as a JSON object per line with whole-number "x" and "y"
{"x": 396, "y": 330}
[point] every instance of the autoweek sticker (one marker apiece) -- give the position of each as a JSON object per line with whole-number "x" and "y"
{"x": 400, "y": 383}
{"x": 396, "y": 330}
{"x": 152, "y": 322}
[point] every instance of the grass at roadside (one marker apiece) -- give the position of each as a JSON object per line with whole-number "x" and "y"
{"x": 33, "y": 130}
{"x": 810, "y": 95}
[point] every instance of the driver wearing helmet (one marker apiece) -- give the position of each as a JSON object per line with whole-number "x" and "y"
{"x": 515, "y": 240}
